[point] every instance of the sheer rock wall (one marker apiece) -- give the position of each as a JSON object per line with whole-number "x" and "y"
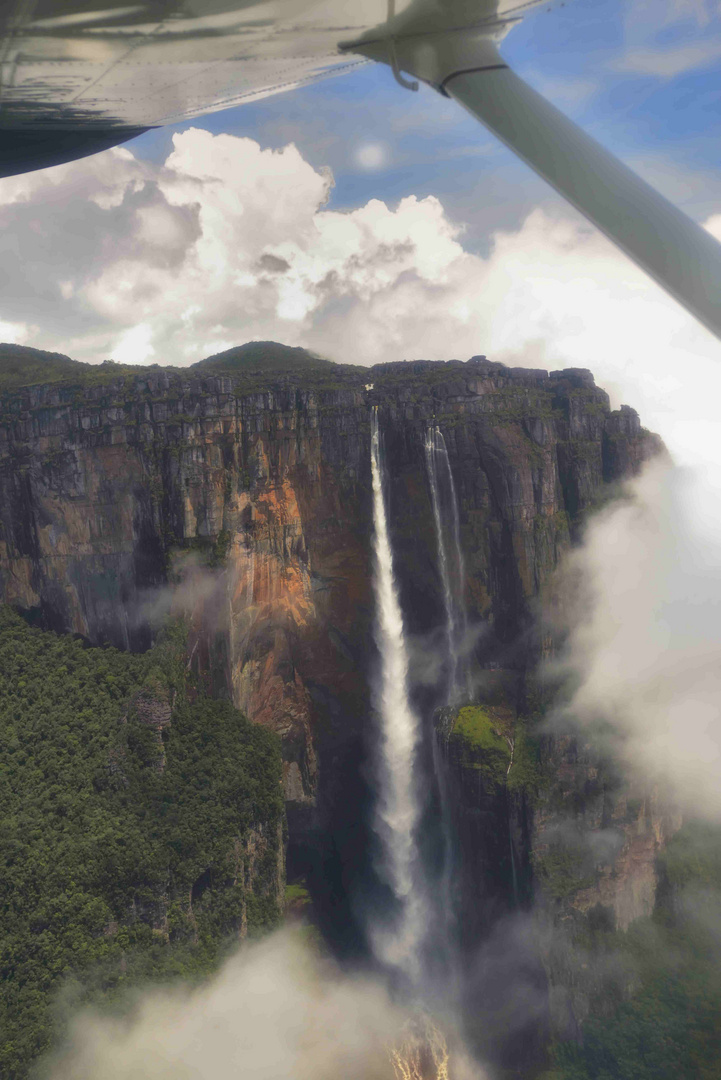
{"x": 257, "y": 500}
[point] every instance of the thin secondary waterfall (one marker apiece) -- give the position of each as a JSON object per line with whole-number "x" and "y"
{"x": 452, "y": 572}
{"x": 398, "y": 808}
{"x": 451, "y": 564}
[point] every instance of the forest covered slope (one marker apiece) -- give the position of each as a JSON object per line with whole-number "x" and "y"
{"x": 142, "y": 826}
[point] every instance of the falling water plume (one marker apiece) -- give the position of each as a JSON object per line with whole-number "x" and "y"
{"x": 451, "y": 564}
{"x": 398, "y": 808}
{"x": 452, "y": 573}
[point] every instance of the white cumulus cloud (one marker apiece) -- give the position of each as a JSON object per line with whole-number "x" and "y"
{"x": 226, "y": 241}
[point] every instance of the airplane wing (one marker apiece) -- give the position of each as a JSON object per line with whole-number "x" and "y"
{"x": 75, "y": 79}
{"x": 77, "y": 76}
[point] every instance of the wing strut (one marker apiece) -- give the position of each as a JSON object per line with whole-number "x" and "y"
{"x": 676, "y": 252}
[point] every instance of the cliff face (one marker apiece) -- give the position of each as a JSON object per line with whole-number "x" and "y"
{"x": 101, "y": 490}
{"x": 595, "y": 844}
{"x": 256, "y": 499}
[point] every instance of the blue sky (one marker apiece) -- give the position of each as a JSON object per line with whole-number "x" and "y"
{"x": 641, "y": 76}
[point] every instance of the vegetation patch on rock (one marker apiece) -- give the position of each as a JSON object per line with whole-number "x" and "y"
{"x": 488, "y": 738}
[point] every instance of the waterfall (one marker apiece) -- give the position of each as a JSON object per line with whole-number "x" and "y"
{"x": 514, "y": 875}
{"x": 398, "y": 808}
{"x": 452, "y": 567}
{"x": 452, "y": 572}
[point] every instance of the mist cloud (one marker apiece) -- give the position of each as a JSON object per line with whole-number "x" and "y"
{"x": 277, "y": 1010}
{"x": 274, "y": 1012}
{"x": 195, "y": 590}
{"x": 644, "y": 649}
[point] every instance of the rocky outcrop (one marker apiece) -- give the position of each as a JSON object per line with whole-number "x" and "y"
{"x": 595, "y": 840}
{"x": 551, "y": 844}
{"x": 595, "y": 847}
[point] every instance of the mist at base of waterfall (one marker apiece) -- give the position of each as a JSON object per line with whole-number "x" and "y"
{"x": 277, "y": 1010}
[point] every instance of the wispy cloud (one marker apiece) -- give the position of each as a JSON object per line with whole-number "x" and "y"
{"x": 666, "y": 63}
{"x": 666, "y": 38}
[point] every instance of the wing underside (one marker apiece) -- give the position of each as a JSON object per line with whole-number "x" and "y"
{"x": 84, "y": 79}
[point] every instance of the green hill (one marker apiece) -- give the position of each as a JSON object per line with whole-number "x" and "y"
{"x": 257, "y": 356}
{"x": 21, "y": 366}
{"x": 255, "y": 365}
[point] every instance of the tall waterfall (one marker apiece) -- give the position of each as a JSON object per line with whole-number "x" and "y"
{"x": 398, "y": 809}
{"x": 451, "y": 563}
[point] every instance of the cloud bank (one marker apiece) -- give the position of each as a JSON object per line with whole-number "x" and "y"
{"x": 225, "y": 241}
{"x": 644, "y": 651}
{"x": 275, "y": 1011}
{"x": 114, "y": 257}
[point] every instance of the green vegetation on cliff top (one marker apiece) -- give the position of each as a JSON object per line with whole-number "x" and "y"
{"x": 21, "y": 366}
{"x": 127, "y": 800}
{"x": 253, "y": 363}
{"x": 257, "y": 365}
{"x": 260, "y": 366}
